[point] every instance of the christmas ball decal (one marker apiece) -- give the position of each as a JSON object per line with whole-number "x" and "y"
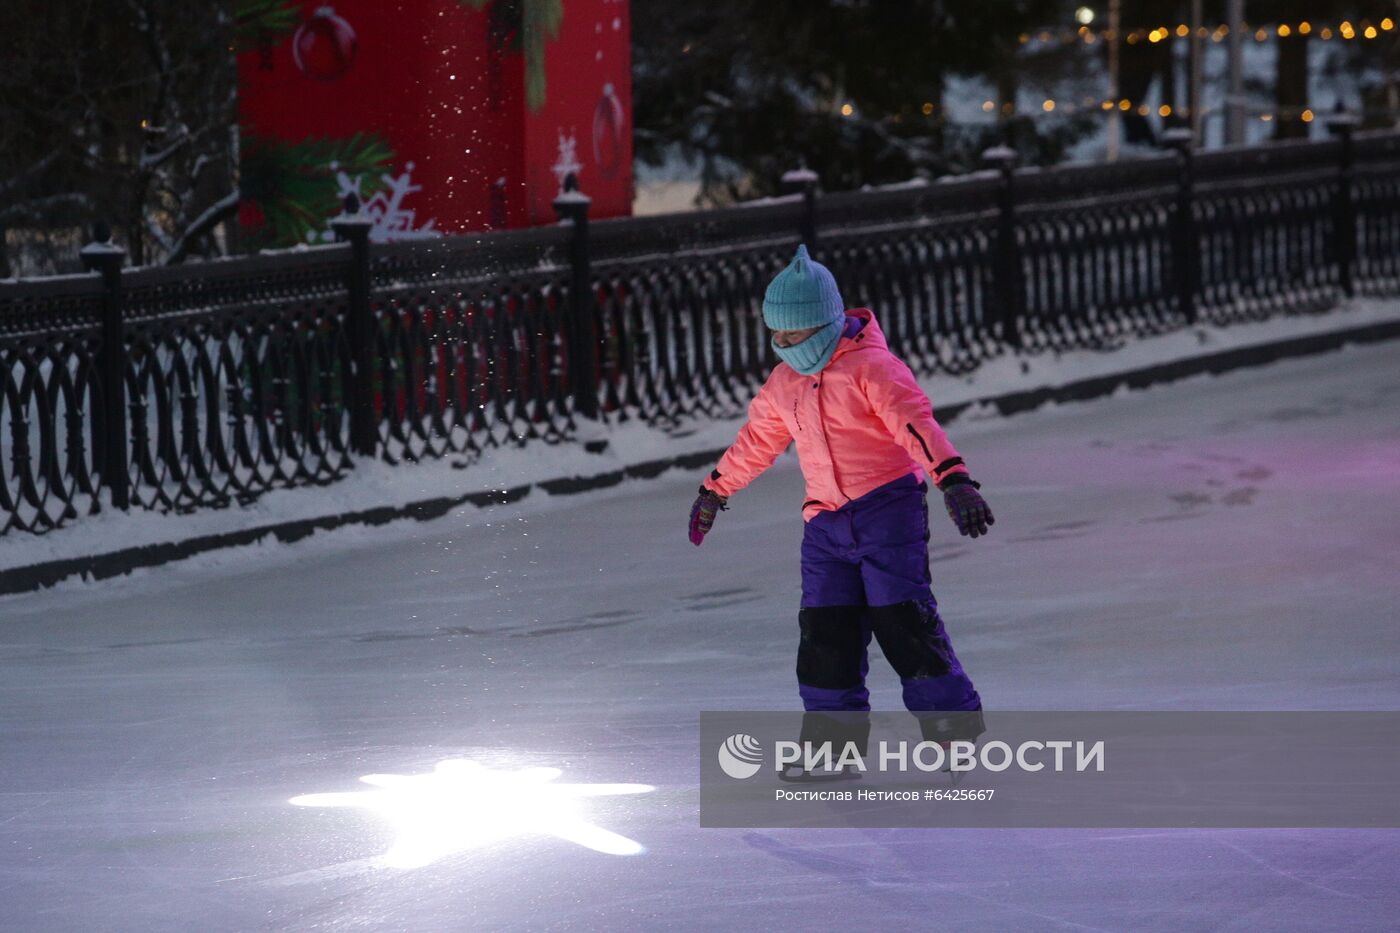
{"x": 324, "y": 45}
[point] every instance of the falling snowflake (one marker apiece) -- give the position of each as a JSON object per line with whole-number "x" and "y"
{"x": 463, "y": 804}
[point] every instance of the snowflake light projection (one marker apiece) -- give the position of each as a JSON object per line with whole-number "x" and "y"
{"x": 463, "y": 804}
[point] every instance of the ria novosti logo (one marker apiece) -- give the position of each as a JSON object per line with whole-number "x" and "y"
{"x": 740, "y": 756}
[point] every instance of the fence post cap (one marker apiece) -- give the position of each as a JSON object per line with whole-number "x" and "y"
{"x": 1179, "y": 137}
{"x": 999, "y": 156}
{"x": 96, "y": 249}
{"x": 352, "y": 217}
{"x": 800, "y": 176}
{"x": 565, "y": 198}
{"x": 1341, "y": 120}
{"x": 571, "y": 203}
{"x": 101, "y": 251}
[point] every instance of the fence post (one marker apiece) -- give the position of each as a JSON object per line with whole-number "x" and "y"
{"x": 353, "y": 226}
{"x": 805, "y": 180}
{"x": 571, "y": 206}
{"x": 1342, "y": 125}
{"x": 1186, "y": 246}
{"x": 106, "y": 258}
{"x": 1008, "y": 289}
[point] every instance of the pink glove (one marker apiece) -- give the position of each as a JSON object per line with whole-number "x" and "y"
{"x": 702, "y": 514}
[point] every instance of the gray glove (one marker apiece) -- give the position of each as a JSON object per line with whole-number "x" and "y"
{"x": 965, "y": 504}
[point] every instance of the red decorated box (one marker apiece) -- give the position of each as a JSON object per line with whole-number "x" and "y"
{"x": 445, "y": 116}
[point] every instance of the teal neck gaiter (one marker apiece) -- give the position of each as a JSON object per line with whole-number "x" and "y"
{"x": 809, "y": 356}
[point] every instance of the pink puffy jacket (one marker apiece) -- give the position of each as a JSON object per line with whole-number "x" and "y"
{"x": 861, "y": 422}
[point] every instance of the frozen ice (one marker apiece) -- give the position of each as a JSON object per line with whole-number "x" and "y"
{"x": 1226, "y": 542}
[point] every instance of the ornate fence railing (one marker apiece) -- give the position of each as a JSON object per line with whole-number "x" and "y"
{"x": 207, "y": 385}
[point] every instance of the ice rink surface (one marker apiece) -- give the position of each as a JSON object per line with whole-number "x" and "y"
{"x": 1224, "y": 543}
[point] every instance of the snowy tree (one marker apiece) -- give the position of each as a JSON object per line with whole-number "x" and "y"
{"x": 854, "y": 90}
{"x": 123, "y": 112}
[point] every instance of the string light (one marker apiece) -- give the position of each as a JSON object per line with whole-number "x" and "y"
{"x": 1141, "y": 108}
{"x": 847, "y": 110}
{"x": 1084, "y": 33}
{"x": 1091, "y": 104}
{"x": 1087, "y": 35}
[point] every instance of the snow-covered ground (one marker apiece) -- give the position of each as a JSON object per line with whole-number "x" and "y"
{"x": 1223, "y": 543}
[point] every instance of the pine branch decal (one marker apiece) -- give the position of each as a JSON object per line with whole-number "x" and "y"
{"x": 294, "y": 183}
{"x": 542, "y": 21}
{"x": 259, "y": 23}
{"x": 538, "y": 22}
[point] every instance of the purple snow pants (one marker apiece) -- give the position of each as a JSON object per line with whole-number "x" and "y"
{"x": 865, "y": 572}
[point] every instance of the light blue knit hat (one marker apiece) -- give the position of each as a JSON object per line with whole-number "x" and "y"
{"x": 803, "y": 295}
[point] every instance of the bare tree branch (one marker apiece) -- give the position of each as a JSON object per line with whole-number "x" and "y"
{"x": 153, "y": 160}
{"x": 23, "y": 179}
{"x": 157, "y": 233}
{"x": 220, "y": 210}
{"x": 40, "y": 211}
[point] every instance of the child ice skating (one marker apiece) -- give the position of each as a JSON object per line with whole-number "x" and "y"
{"x": 865, "y": 434}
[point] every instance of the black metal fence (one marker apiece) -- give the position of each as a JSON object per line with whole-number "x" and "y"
{"x": 207, "y": 385}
